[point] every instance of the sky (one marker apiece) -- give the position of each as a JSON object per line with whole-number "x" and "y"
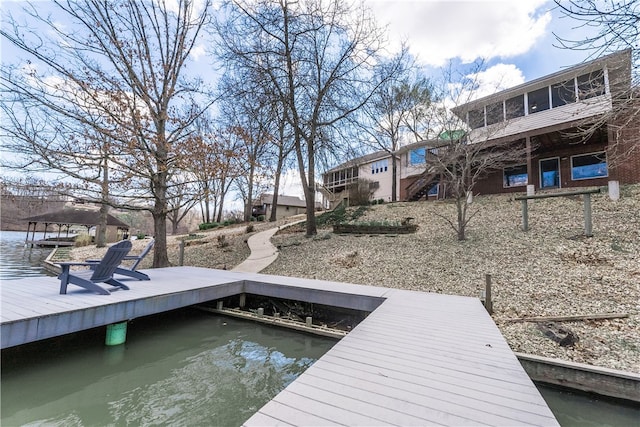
{"x": 514, "y": 37}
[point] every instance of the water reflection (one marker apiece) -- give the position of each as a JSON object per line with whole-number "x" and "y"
{"x": 186, "y": 368}
{"x": 17, "y": 260}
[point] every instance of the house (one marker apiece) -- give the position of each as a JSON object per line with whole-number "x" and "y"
{"x": 547, "y": 114}
{"x": 544, "y": 115}
{"x": 287, "y": 206}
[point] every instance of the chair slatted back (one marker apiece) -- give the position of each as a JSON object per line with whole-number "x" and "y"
{"x": 111, "y": 260}
{"x": 143, "y": 254}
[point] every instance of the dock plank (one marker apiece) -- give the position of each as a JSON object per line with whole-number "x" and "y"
{"x": 417, "y": 359}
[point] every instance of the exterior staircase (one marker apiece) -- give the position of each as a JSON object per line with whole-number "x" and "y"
{"x": 420, "y": 187}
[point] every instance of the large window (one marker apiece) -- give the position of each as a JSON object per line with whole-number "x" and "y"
{"x": 538, "y": 100}
{"x": 563, "y": 93}
{"x": 514, "y": 107}
{"x": 380, "y": 166}
{"x": 494, "y": 113}
{"x": 417, "y": 156}
{"x": 476, "y": 118}
{"x": 590, "y": 85}
{"x": 515, "y": 176}
{"x": 587, "y": 166}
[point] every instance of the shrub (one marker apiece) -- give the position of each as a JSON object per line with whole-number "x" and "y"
{"x": 222, "y": 241}
{"x": 261, "y": 218}
{"x": 208, "y": 225}
{"x": 140, "y": 236}
{"x": 250, "y": 228}
{"x": 82, "y": 240}
{"x": 226, "y": 222}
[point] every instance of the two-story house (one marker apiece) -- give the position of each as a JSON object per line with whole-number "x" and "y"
{"x": 549, "y": 116}
{"x": 545, "y": 115}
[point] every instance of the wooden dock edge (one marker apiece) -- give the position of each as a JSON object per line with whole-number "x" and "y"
{"x": 592, "y": 379}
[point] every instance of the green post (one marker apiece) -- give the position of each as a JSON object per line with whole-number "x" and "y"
{"x": 587, "y": 215}
{"x": 525, "y": 216}
{"x": 116, "y": 334}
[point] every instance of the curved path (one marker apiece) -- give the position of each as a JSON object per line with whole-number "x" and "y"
{"x": 263, "y": 253}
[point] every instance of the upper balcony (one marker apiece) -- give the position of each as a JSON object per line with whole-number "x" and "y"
{"x": 555, "y": 102}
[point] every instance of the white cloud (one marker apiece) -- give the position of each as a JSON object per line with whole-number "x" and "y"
{"x": 197, "y": 52}
{"x": 438, "y": 31}
{"x": 290, "y": 184}
{"x": 496, "y": 78}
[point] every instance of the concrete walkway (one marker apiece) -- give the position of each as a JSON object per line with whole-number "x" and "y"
{"x": 263, "y": 253}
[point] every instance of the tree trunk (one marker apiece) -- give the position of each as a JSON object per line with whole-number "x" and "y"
{"x": 462, "y": 223}
{"x": 394, "y": 175}
{"x": 160, "y": 257}
{"x": 101, "y": 235}
{"x": 276, "y": 188}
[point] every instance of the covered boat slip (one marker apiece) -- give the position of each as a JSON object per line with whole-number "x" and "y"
{"x": 417, "y": 359}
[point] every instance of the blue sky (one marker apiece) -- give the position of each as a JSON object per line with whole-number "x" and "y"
{"x": 514, "y": 37}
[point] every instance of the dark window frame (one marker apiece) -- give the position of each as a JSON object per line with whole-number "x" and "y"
{"x": 538, "y": 100}
{"x": 517, "y": 171}
{"x": 599, "y": 155}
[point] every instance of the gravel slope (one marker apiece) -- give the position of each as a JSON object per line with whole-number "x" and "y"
{"x": 550, "y": 271}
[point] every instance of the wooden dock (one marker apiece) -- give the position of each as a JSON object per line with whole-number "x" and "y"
{"x": 417, "y": 359}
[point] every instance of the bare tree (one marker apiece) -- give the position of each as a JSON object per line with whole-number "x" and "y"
{"x": 319, "y": 58}
{"x": 392, "y": 112}
{"x": 125, "y": 61}
{"x": 458, "y": 159}
{"x": 613, "y": 26}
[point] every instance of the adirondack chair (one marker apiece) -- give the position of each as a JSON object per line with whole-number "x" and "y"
{"x": 131, "y": 270}
{"x": 101, "y": 271}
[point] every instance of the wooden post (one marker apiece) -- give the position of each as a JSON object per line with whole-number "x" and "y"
{"x": 309, "y": 321}
{"x": 181, "y": 256}
{"x": 219, "y": 305}
{"x": 525, "y": 216}
{"x": 587, "y": 215}
{"x": 488, "y": 303}
{"x": 260, "y": 312}
{"x": 243, "y": 300}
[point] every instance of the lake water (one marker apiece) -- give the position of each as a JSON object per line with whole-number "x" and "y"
{"x": 17, "y": 260}
{"x": 186, "y": 368}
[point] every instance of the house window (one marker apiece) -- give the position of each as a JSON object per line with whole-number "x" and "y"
{"x": 591, "y": 85}
{"x": 587, "y": 166}
{"x": 514, "y": 107}
{"x": 563, "y": 93}
{"x": 374, "y": 185}
{"x": 538, "y": 100}
{"x": 476, "y": 118}
{"x": 433, "y": 191}
{"x": 416, "y": 157}
{"x": 380, "y": 166}
{"x": 494, "y": 113}
{"x": 515, "y": 176}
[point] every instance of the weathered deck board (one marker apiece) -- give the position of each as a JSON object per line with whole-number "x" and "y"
{"x": 417, "y": 359}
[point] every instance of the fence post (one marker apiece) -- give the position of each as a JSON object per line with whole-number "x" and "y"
{"x": 587, "y": 215}
{"x": 181, "y": 256}
{"x": 488, "y": 303}
{"x": 525, "y": 216}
